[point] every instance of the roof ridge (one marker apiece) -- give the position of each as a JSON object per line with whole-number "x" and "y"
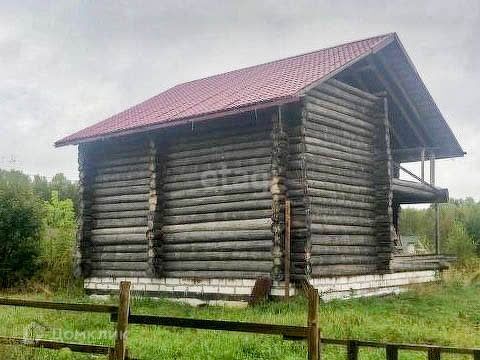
{"x": 221, "y": 93}
{"x": 285, "y": 58}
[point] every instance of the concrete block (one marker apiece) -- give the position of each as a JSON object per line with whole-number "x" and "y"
{"x": 248, "y": 282}
{"x": 198, "y": 289}
{"x": 243, "y": 290}
{"x": 228, "y": 290}
{"x": 152, "y": 287}
{"x": 233, "y": 282}
{"x": 210, "y": 289}
{"x": 218, "y": 282}
{"x": 172, "y": 281}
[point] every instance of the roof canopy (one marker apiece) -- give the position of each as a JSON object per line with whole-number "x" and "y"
{"x": 278, "y": 82}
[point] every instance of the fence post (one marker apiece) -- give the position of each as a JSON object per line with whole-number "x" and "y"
{"x": 391, "y": 352}
{"x": 287, "y": 247}
{"x": 352, "y": 350}
{"x": 313, "y": 332}
{"x": 434, "y": 354}
{"x": 476, "y": 355}
{"x": 122, "y": 322}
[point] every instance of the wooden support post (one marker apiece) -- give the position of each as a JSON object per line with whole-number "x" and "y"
{"x": 391, "y": 352}
{"x": 287, "y": 247}
{"x": 437, "y": 210}
{"x": 422, "y": 159}
{"x": 352, "y": 350}
{"x": 437, "y": 229}
{"x": 476, "y": 355}
{"x": 434, "y": 354}
{"x": 278, "y": 190}
{"x": 122, "y": 322}
{"x": 432, "y": 169}
{"x": 313, "y": 330}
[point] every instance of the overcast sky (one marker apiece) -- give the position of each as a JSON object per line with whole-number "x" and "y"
{"x": 66, "y": 65}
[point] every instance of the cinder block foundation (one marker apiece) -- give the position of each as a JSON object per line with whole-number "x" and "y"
{"x": 346, "y": 287}
{"x": 217, "y": 291}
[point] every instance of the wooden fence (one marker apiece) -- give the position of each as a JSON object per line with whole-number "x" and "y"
{"x": 392, "y": 349}
{"x": 310, "y": 333}
{"x": 122, "y": 315}
{"x": 118, "y": 352}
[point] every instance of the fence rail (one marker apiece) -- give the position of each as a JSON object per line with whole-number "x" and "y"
{"x": 392, "y": 349}
{"x": 310, "y": 333}
{"x": 123, "y": 317}
{"x": 300, "y": 332}
{"x": 93, "y": 308}
{"x": 58, "y": 345}
{"x": 119, "y": 352}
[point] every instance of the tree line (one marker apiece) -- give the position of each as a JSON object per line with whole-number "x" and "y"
{"x": 38, "y": 224}
{"x": 37, "y": 229}
{"x": 459, "y": 227}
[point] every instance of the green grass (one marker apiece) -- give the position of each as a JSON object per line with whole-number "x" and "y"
{"x": 446, "y": 314}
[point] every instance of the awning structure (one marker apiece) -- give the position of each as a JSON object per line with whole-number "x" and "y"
{"x": 420, "y": 262}
{"x": 410, "y": 192}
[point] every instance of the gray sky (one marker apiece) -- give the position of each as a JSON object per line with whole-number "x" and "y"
{"x": 66, "y": 65}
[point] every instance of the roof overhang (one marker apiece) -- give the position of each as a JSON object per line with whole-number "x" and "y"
{"x": 420, "y": 123}
{"x": 416, "y": 121}
{"x": 183, "y": 121}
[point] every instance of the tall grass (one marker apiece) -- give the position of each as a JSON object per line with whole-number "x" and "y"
{"x": 445, "y": 313}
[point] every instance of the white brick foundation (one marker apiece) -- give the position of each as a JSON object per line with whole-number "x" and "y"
{"x": 345, "y": 287}
{"x": 213, "y": 290}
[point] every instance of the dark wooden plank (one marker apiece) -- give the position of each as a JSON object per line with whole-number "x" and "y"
{"x": 96, "y": 308}
{"x": 391, "y": 352}
{"x": 260, "y": 291}
{"x": 57, "y": 345}
{"x": 268, "y": 329}
{"x": 352, "y": 350}
{"x": 400, "y": 346}
{"x": 434, "y": 353}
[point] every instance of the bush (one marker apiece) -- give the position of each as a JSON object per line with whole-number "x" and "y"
{"x": 65, "y": 188}
{"x": 20, "y": 225}
{"x": 459, "y": 243}
{"x": 57, "y": 242}
{"x": 454, "y": 216}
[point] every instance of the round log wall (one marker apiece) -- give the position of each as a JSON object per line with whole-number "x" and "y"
{"x": 120, "y": 195}
{"x": 207, "y": 200}
{"x": 217, "y": 200}
{"x": 343, "y": 140}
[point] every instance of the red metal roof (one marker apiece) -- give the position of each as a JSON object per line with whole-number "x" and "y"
{"x": 278, "y": 81}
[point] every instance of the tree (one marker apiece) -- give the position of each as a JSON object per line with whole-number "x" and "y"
{"x": 66, "y": 189}
{"x": 41, "y": 187}
{"x": 459, "y": 243}
{"x": 58, "y": 240}
{"x": 20, "y": 225}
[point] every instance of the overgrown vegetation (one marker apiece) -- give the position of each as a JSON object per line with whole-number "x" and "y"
{"x": 447, "y": 313}
{"x": 37, "y": 230}
{"x": 459, "y": 227}
{"x": 20, "y": 225}
{"x": 57, "y": 242}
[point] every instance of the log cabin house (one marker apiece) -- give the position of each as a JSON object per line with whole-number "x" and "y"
{"x": 184, "y": 193}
